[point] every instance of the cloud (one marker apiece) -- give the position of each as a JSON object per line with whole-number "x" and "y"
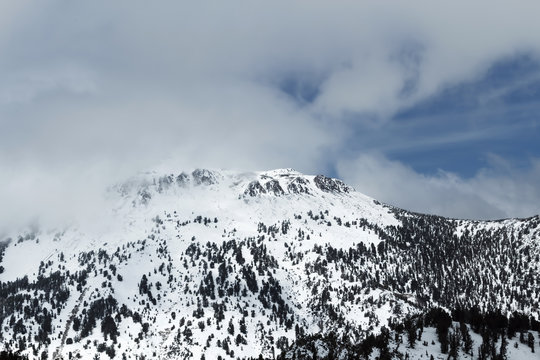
{"x": 498, "y": 191}
{"x": 27, "y": 85}
{"x": 229, "y": 85}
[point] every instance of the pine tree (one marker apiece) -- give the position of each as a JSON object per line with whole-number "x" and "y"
{"x": 243, "y": 329}
{"x": 484, "y": 350}
{"x": 143, "y": 285}
{"x": 503, "y": 352}
{"x": 530, "y": 341}
{"x": 467, "y": 340}
{"x": 411, "y": 332}
{"x": 383, "y": 341}
{"x": 108, "y": 327}
{"x": 454, "y": 343}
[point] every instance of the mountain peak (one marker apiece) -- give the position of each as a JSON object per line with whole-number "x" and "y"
{"x": 236, "y": 265}
{"x": 277, "y": 182}
{"x": 281, "y": 172}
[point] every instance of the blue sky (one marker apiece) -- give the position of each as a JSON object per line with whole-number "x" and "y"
{"x": 457, "y": 128}
{"x": 430, "y": 107}
{"x": 487, "y": 123}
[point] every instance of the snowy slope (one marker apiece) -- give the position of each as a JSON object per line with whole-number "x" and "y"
{"x": 219, "y": 263}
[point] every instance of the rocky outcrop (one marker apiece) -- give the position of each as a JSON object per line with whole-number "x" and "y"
{"x": 273, "y": 187}
{"x": 331, "y": 185}
{"x": 183, "y": 180}
{"x": 204, "y": 177}
{"x": 298, "y": 185}
{"x": 254, "y": 188}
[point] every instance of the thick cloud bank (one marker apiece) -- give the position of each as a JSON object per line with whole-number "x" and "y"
{"x": 92, "y": 92}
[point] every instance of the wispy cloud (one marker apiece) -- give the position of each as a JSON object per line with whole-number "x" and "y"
{"x": 499, "y": 190}
{"x": 429, "y": 140}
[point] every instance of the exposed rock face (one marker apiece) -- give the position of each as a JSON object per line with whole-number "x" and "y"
{"x": 183, "y": 179}
{"x": 273, "y": 187}
{"x": 144, "y": 195}
{"x": 299, "y": 185}
{"x": 204, "y": 177}
{"x": 165, "y": 182}
{"x": 254, "y": 188}
{"x": 331, "y": 185}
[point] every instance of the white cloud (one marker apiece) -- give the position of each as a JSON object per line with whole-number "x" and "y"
{"x": 27, "y": 84}
{"x": 498, "y": 191}
{"x": 131, "y": 84}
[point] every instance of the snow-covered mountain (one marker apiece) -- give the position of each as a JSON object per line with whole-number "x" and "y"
{"x": 213, "y": 264}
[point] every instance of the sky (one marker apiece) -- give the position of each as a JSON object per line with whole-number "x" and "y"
{"x": 433, "y": 107}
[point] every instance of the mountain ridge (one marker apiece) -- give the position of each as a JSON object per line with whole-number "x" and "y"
{"x": 277, "y": 254}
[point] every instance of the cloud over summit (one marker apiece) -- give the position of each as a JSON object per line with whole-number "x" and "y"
{"x": 244, "y": 85}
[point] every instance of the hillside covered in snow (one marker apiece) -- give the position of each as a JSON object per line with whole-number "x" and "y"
{"x": 277, "y": 264}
